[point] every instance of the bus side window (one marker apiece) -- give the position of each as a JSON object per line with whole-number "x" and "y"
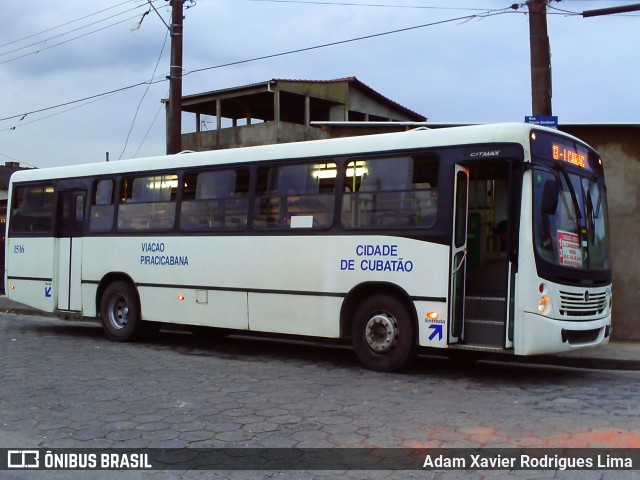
{"x": 215, "y": 200}
{"x": 295, "y": 196}
{"x": 391, "y": 192}
{"x": 102, "y": 207}
{"x": 148, "y": 203}
{"x": 32, "y": 209}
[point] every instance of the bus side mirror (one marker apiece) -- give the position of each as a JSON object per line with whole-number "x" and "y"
{"x": 550, "y": 195}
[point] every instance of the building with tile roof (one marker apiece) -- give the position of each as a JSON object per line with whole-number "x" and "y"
{"x": 281, "y": 111}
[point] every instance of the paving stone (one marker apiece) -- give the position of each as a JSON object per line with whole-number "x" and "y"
{"x": 168, "y": 393}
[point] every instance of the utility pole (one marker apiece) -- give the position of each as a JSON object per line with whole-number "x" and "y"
{"x": 174, "y": 107}
{"x": 540, "y": 58}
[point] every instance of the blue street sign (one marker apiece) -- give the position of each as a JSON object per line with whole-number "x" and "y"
{"x": 551, "y": 122}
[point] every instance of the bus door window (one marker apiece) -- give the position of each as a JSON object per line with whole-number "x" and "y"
{"x": 78, "y": 217}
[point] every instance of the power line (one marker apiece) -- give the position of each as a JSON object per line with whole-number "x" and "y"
{"x": 65, "y": 24}
{"x": 66, "y": 41}
{"x": 144, "y": 94}
{"x": 59, "y": 113}
{"x": 566, "y": 12}
{"x": 68, "y": 32}
{"x": 150, "y": 127}
{"x": 341, "y": 42}
{"x": 382, "y": 5}
{"x": 37, "y": 51}
{"x": 22, "y": 116}
{"x": 160, "y": 79}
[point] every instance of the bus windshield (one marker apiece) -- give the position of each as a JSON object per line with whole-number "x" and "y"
{"x": 576, "y": 235}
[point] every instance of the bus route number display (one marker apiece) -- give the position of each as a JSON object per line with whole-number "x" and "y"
{"x": 571, "y": 155}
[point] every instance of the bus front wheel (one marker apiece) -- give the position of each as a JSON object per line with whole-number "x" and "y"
{"x": 383, "y": 335}
{"x": 120, "y": 312}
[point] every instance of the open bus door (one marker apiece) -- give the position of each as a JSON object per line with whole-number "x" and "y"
{"x": 458, "y": 255}
{"x": 483, "y": 282}
{"x": 70, "y": 226}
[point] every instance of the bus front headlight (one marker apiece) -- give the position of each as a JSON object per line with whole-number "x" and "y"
{"x": 544, "y": 305}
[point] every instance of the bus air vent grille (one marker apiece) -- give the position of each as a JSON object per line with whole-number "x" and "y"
{"x": 574, "y": 304}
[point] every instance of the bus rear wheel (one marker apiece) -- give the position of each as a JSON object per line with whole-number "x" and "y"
{"x": 383, "y": 335}
{"x": 120, "y": 312}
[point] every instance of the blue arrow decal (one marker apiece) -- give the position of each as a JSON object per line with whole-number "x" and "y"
{"x": 47, "y": 291}
{"x": 437, "y": 330}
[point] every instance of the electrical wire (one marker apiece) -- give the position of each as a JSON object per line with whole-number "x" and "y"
{"x": 65, "y": 24}
{"x": 22, "y": 116}
{"x": 382, "y": 5}
{"x": 67, "y": 41}
{"x": 144, "y": 94}
{"x": 566, "y": 12}
{"x": 160, "y": 79}
{"x": 59, "y": 113}
{"x": 135, "y": 155}
{"x": 69, "y": 31}
{"x": 356, "y": 39}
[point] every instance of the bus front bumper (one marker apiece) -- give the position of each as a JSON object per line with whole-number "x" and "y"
{"x": 543, "y": 335}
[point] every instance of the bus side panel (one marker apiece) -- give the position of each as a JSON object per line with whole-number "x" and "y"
{"x": 293, "y": 283}
{"x": 30, "y": 271}
{"x": 195, "y": 307}
{"x": 432, "y": 332}
{"x": 89, "y": 291}
{"x": 295, "y": 314}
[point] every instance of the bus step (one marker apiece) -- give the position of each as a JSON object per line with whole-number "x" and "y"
{"x": 484, "y": 332}
{"x": 487, "y": 308}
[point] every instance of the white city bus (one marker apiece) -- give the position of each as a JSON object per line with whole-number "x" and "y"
{"x": 490, "y": 238}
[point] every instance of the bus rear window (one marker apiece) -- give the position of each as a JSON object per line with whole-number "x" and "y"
{"x": 32, "y": 209}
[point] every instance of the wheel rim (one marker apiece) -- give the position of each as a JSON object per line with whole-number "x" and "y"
{"x": 118, "y": 312}
{"x": 381, "y": 332}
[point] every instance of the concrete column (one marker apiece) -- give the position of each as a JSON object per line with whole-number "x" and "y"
{"x": 307, "y": 110}
{"x": 218, "y": 121}
{"x": 276, "y": 105}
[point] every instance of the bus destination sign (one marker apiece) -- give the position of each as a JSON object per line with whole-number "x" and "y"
{"x": 570, "y": 154}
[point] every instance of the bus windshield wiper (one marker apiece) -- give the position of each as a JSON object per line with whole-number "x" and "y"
{"x": 574, "y": 198}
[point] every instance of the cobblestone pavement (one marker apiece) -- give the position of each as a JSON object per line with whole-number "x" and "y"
{"x": 65, "y": 385}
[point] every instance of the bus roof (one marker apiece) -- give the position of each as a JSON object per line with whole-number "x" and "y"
{"x": 412, "y": 139}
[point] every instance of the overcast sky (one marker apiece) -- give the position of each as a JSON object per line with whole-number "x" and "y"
{"x": 464, "y": 70}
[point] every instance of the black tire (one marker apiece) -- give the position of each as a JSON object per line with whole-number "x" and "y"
{"x": 120, "y": 313}
{"x": 383, "y": 334}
